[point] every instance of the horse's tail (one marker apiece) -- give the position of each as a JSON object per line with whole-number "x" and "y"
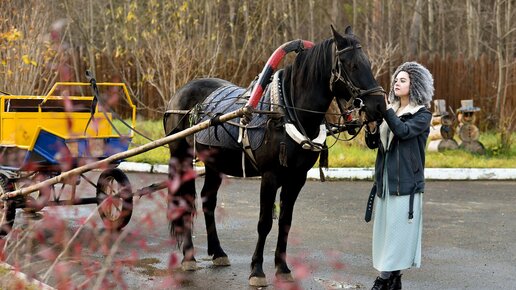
{"x": 181, "y": 199}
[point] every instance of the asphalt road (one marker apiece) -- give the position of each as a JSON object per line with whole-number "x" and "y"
{"x": 468, "y": 239}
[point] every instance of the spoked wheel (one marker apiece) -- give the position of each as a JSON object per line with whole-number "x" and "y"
{"x": 7, "y": 207}
{"x": 114, "y": 195}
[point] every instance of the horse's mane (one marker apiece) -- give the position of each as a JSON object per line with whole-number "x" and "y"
{"x": 315, "y": 63}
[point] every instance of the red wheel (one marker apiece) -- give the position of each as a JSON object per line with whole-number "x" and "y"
{"x": 115, "y": 197}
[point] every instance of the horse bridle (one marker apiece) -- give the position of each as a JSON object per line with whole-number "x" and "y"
{"x": 340, "y": 74}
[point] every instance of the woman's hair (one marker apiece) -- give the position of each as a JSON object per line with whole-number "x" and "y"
{"x": 421, "y": 88}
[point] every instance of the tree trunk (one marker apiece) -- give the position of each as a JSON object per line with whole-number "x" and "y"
{"x": 469, "y": 27}
{"x": 431, "y": 26}
{"x": 442, "y": 28}
{"x": 415, "y": 29}
{"x": 312, "y": 22}
{"x": 500, "y": 57}
{"x": 335, "y": 13}
{"x": 403, "y": 30}
{"x": 355, "y": 14}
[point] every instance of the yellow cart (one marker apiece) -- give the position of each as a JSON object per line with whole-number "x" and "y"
{"x": 42, "y": 136}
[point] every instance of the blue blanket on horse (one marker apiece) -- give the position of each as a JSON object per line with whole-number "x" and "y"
{"x": 224, "y": 100}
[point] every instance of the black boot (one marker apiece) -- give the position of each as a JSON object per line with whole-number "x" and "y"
{"x": 395, "y": 282}
{"x": 381, "y": 284}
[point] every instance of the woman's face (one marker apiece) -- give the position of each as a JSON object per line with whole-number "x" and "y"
{"x": 402, "y": 84}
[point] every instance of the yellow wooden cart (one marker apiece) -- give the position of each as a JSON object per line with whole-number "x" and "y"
{"x": 42, "y": 136}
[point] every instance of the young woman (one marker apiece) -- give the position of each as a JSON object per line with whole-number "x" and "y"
{"x": 399, "y": 174}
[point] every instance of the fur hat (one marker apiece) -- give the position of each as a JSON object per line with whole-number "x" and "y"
{"x": 421, "y": 84}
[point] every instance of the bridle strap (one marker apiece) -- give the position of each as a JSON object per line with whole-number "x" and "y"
{"x": 339, "y": 74}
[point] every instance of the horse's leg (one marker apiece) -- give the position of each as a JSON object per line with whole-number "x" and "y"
{"x": 187, "y": 205}
{"x": 288, "y": 196}
{"x": 181, "y": 201}
{"x": 209, "y": 191}
{"x": 269, "y": 186}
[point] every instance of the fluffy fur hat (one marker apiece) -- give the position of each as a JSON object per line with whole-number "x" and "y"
{"x": 421, "y": 84}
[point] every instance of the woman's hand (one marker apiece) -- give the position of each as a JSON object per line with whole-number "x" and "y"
{"x": 386, "y": 105}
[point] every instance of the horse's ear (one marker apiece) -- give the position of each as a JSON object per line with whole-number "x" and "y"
{"x": 335, "y": 33}
{"x": 349, "y": 30}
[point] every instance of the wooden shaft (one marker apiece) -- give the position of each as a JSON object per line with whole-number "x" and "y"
{"x": 122, "y": 155}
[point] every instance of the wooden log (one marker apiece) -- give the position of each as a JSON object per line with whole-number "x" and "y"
{"x": 435, "y": 132}
{"x": 436, "y": 120}
{"x": 433, "y": 146}
{"x": 447, "y": 144}
{"x": 473, "y": 146}
{"x": 469, "y": 132}
{"x": 447, "y": 132}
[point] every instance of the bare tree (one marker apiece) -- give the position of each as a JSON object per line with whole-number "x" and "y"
{"x": 505, "y": 47}
{"x": 415, "y": 29}
{"x": 431, "y": 26}
{"x": 473, "y": 29}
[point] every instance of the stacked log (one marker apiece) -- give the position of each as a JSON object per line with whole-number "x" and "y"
{"x": 441, "y": 131}
{"x": 469, "y": 134}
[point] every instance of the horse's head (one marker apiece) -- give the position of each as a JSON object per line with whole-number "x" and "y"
{"x": 352, "y": 81}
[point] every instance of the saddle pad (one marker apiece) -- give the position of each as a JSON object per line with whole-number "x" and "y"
{"x": 224, "y": 100}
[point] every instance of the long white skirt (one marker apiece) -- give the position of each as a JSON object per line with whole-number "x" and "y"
{"x": 396, "y": 240}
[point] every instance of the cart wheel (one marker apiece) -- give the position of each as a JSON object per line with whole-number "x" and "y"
{"x": 7, "y": 208}
{"x": 114, "y": 195}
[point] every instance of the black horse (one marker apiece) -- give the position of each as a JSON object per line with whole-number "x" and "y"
{"x": 335, "y": 68}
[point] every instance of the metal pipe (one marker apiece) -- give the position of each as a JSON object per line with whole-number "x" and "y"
{"x": 123, "y": 155}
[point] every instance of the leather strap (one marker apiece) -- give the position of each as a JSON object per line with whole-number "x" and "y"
{"x": 370, "y": 202}
{"x": 411, "y": 208}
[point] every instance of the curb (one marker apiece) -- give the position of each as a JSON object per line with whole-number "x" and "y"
{"x": 28, "y": 281}
{"x": 356, "y": 173}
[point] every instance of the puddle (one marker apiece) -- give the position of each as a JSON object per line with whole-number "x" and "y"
{"x": 147, "y": 266}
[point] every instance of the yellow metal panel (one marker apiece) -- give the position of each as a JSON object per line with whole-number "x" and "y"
{"x": 19, "y": 127}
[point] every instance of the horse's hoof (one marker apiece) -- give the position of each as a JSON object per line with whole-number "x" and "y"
{"x": 221, "y": 261}
{"x": 258, "y": 282}
{"x": 285, "y": 277}
{"x": 189, "y": 265}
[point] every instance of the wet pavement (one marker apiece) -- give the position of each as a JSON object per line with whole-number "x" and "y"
{"x": 468, "y": 238}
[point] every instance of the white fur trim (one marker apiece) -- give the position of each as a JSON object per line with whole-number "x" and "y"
{"x": 409, "y": 109}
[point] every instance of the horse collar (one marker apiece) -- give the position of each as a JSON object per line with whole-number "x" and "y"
{"x": 278, "y": 100}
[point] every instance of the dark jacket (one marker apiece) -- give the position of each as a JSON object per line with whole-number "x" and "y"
{"x": 406, "y": 152}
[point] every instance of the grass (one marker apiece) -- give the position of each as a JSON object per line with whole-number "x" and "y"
{"x": 153, "y": 130}
{"x": 355, "y": 154}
